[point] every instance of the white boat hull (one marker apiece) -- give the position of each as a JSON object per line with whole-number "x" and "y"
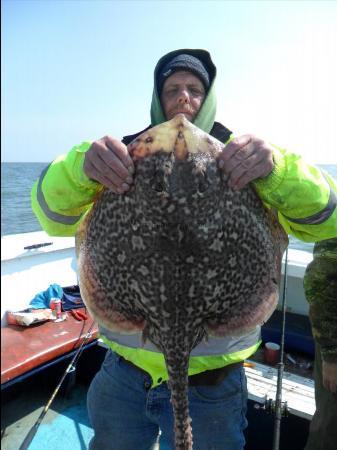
{"x": 24, "y": 273}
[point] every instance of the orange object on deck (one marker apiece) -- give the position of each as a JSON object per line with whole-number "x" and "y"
{"x": 249, "y": 364}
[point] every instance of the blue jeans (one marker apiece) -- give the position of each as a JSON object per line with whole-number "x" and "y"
{"x": 126, "y": 415}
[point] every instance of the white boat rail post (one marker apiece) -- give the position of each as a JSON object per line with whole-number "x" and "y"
{"x": 280, "y": 408}
{"x": 277, "y": 407}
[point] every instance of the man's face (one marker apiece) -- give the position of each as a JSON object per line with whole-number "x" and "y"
{"x": 183, "y": 93}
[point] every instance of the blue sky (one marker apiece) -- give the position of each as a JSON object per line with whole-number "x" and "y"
{"x": 78, "y": 70}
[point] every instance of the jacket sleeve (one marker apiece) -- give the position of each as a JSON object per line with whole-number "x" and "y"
{"x": 304, "y": 196}
{"x": 63, "y": 194}
{"x": 320, "y": 287}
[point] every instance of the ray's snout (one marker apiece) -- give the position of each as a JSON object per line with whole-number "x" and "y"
{"x": 180, "y": 147}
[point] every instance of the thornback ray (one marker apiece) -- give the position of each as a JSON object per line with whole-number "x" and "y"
{"x": 180, "y": 256}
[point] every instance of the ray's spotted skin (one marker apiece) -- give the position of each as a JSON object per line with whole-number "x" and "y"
{"x": 181, "y": 255}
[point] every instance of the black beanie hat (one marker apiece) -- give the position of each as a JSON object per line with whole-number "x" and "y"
{"x": 183, "y": 62}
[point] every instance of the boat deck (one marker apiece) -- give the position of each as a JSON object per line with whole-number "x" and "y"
{"x": 27, "y": 388}
{"x": 66, "y": 425}
{"x": 297, "y": 391}
{"x": 49, "y": 346}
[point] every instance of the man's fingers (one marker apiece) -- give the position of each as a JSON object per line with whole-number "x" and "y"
{"x": 115, "y": 156}
{"x": 242, "y": 157}
{"x": 121, "y": 152}
{"x": 245, "y": 159}
{"x": 233, "y": 147}
{"x": 243, "y": 168}
{"x": 105, "y": 162}
{"x": 257, "y": 165}
{"x": 106, "y": 172}
{"x": 242, "y": 176}
{"x": 112, "y": 167}
{"x": 96, "y": 175}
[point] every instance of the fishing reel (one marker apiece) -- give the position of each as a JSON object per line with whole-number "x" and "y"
{"x": 270, "y": 407}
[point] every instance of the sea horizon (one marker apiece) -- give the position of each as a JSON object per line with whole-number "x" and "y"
{"x": 17, "y": 179}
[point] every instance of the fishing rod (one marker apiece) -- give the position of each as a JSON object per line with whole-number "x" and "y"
{"x": 32, "y": 432}
{"x": 279, "y": 409}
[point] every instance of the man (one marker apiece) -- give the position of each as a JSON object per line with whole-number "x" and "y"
{"x": 320, "y": 285}
{"x": 128, "y": 400}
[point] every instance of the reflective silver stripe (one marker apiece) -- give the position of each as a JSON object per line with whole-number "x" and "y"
{"x": 66, "y": 220}
{"x": 321, "y": 216}
{"x": 213, "y": 346}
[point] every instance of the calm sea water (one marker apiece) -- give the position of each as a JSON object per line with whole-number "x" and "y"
{"x": 16, "y": 214}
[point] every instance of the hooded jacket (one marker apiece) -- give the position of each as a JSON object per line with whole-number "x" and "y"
{"x": 206, "y": 116}
{"x": 303, "y": 196}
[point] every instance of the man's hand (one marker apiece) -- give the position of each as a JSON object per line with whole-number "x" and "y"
{"x": 329, "y": 374}
{"x": 108, "y": 162}
{"x": 245, "y": 159}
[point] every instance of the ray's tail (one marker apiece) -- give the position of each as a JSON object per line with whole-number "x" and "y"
{"x": 177, "y": 367}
